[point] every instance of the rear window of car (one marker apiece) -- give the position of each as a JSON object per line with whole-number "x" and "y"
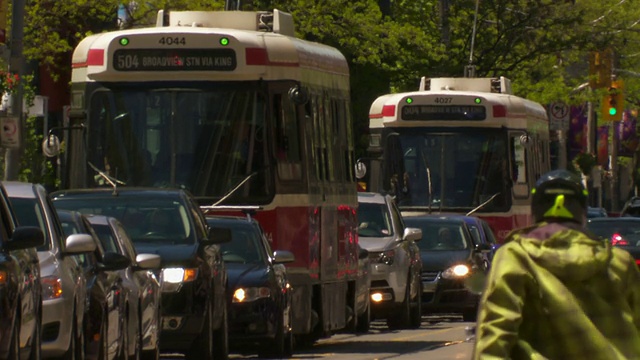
{"x": 29, "y": 213}
{"x": 446, "y": 236}
{"x": 374, "y": 220}
{"x": 618, "y": 232}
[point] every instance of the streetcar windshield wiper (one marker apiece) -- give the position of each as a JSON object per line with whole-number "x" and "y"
{"x": 483, "y": 204}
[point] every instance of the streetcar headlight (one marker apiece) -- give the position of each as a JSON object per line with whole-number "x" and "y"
{"x": 251, "y": 294}
{"x": 457, "y": 271}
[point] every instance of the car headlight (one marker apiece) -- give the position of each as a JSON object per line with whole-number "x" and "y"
{"x": 173, "y": 278}
{"x": 51, "y": 287}
{"x": 250, "y": 294}
{"x": 385, "y": 257}
{"x": 455, "y": 272}
{"x": 179, "y": 275}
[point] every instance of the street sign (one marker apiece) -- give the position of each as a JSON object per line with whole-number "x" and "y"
{"x": 10, "y": 134}
{"x": 558, "y": 116}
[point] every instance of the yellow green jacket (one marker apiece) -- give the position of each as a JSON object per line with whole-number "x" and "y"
{"x": 553, "y": 292}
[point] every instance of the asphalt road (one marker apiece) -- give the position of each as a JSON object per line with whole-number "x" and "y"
{"x": 439, "y": 338}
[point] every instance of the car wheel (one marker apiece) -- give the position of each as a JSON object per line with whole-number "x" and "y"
{"x": 36, "y": 342}
{"x": 202, "y": 347}
{"x": 364, "y": 320}
{"x": 72, "y": 350}
{"x": 221, "y": 337}
{"x": 14, "y": 351}
{"x": 470, "y": 315}
{"x": 282, "y": 346}
{"x": 416, "y": 308}
{"x": 401, "y": 318}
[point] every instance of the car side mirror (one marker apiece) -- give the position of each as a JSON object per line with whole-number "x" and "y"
{"x": 112, "y": 261}
{"x": 25, "y": 237}
{"x": 413, "y": 234}
{"x": 483, "y": 247}
{"x": 79, "y": 244}
{"x": 148, "y": 261}
{"x": 283, "y": 257}
{"x": 219, "y": 235}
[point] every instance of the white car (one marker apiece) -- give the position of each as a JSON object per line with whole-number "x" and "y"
{"x": 63, "y": 282}
{"x": 396, "y": 285}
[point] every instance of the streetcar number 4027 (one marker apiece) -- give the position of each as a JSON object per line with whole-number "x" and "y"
{"x": 166, "y": 40}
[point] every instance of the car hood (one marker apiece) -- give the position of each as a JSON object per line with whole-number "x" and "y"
{"x": 246, "y": 275}
{"x": 171, "y": 255}
{"x": 48, "y": 263}
{"x": 442, "y": 260}
{"x": 374, "y": 244}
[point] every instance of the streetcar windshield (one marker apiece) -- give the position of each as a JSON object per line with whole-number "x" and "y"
{"x": 451, "y": 169}
{"x": 207, "y": 140}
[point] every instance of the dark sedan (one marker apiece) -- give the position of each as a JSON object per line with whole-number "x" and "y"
{"x": 260, "y": 297}
{"x": 105, "y": 306}
{"x": 623, "y": 232}
{"x": 169, "y": 222}
{"x": 141, "y": 289}
{"x": 449, "y": 256}
{"x": 20, "y": 287}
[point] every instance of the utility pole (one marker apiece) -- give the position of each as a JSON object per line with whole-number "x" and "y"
{"x": 16, "y": 66}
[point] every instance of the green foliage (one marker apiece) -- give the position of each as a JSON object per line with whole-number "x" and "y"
{"x": 542, "y": 46}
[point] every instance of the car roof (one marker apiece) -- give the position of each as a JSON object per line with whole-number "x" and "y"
{"x": 440, "y": 217}
{"x": 20, "y": 189}
{"x": 614, "y": 219}
{"x": 125, "y": 191}
{"x": 373, "y": 198}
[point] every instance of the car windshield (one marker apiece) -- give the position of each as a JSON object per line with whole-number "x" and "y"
{"x": 619, "y": 232}
{"x": 374, "y": 220}
{"x": 243, "y": 247}
{"x": 437, "y": 236}
{"x": 161, "y": 221}
{"x": 29, "y": 213}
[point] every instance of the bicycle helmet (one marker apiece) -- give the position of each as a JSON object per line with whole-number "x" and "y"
{"x": 559, "y": 195}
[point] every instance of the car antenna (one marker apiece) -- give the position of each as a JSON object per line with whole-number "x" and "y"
{"x": 483, "y": 204}
{"x": 112, "y": 181}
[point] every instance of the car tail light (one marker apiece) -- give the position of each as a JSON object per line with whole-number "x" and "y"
{"x": 617, "y": 240}
{"x": 638, "y": 262}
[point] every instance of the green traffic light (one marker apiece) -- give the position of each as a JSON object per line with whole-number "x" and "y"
{"x": 613, "y": 111}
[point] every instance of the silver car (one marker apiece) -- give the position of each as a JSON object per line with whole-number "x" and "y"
{"x": 395, "y": 261}
{"x": 62, "y": 279}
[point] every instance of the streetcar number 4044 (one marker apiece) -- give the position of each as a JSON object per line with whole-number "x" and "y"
{"x": 166, "y": 40}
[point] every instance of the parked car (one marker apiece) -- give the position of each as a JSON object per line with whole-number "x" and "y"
{"x": 631, "y": 207}
{"x": 395, "y": 261}
{"x": 482, "y": 234}
{"x": 105, "y": 310}
{"x": 258, "y": 288}
{"x": 169, "y": 222}
{"x": 596, "y": 212}
{"x": 623, "y": 232}
{"x": 450, "y": 255}
{"x": 63, "y": 282}
{"x": 142, "y": 322}
{"x": 20, "y": 287}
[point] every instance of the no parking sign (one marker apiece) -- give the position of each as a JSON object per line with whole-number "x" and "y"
{"x": 558, "y": 116}
{"x": 10, "y": 134}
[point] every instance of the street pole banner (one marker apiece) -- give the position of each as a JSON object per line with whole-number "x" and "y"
{"x": 626, "y": 133}
{"x": 577, "y": 134}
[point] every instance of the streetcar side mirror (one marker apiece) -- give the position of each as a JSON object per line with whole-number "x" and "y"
{"x": 361, "y": 169}
{"x": 51, "y": 146}
{"x": 299, "y": 95}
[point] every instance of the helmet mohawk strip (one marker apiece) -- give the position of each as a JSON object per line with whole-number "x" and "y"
{"x": 558, "y": 210}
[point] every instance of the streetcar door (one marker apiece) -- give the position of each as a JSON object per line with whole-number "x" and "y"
{"x": 393, "y": 172}
{"x": 519, "y": 142}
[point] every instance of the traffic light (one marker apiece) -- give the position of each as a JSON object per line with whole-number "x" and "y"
{"x": 613, "y": 102}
